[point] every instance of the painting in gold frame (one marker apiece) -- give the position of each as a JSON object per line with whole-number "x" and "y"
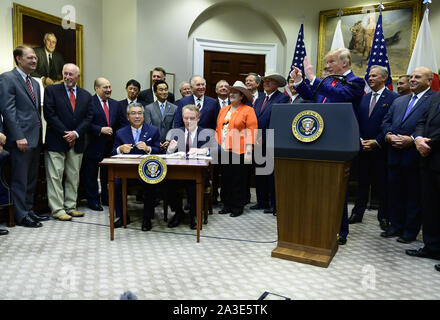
{"x": 401, "y": 21}
{"x": 31, "y": 25}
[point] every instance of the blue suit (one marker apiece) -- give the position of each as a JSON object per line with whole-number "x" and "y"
{"x": 208, "y": 114}
{"x": 372, "y": 164}
{"x": 403, "y": 167}
{"x": 150, "y": 135}
{"x": 332, "y": 92}
{"x": 265, "y": 185}
{"x": 99, "y": 147}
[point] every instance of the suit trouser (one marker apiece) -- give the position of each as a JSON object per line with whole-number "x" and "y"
{"x": 90, "y": 178}
{"x": 404, "y": 200}
{"x": 265, "y": 185}
{"x": 372, "y": 167}
{"x": 24, "y": 180}
{"x": 59, "y": 164}
{"x": 147, "y": 195}
{"x": 173, "y": 197}
{"x": 431, "y": 209}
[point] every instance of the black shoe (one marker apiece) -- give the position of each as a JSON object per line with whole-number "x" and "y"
{"x": 95, "y": 207}
{"x": 236, "y": 212}
{"x": 437, "y": 267}
{"x": 404, "y": 240}
{"x": 42, "y": 217}
{"x": 421, "y": 253}
{"x": 225, "y": 211}
{"x": 390, "y": 234}
{"x": 146, "y": 224}
{"x": 355, "y": 218}
{"x": 258, "y": 207}
{"x": 384, "y": 224}
{"x": 28, "y": 222}
{"x": 342, "y": 241}
{"x": 119, "y": 222}
{"x": 3, "y": 232}
{"x": 193, "y": 223}
{"x": 270, "y": 210}
{"x": 175, "y": 220}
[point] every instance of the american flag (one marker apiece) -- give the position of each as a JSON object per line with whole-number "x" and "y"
{"x": 378, "y": 55}
{"x": 298, "y": 56}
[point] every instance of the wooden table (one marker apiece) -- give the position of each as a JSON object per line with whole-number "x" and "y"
{"x": 177, "y": 169}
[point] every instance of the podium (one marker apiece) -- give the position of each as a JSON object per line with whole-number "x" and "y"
{"x": 311, "y": 177}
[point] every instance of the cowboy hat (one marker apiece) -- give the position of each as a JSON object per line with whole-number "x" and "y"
{"x": 275, "y": 76}
{"x": 239, "y": 86}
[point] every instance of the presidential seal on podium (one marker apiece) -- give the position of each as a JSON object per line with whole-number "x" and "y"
{"x": 307, "y": 126}
{"x": 152, "y": 169}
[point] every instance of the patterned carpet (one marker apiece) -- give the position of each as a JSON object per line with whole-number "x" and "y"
{"x": 76, "y": 260}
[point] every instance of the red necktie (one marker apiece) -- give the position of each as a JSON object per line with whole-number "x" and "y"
{"x": 72, "y": 99}
{"x": 264, "y": 103}
{"x": 333, "y": 84}
{"x": 106, "y": 111}
{"x": 31, "y": 91}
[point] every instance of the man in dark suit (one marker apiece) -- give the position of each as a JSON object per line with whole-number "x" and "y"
{"x": 427, "y": 141}
{"x": 208, "y": 106}
{"x": 190, "y": 139}
{"x": 252, "y": 83}
{"x": 372, "y": 157}
{"x": 20, "y": 107}
{"x": 68, "y": 113}
{"x": 107, "y": 119}
{"x": 133, "y": 88}
{"x": 265, "y": 184}
{"x": 2, "y": 143}
{"x": 49, "y": 62}
{"x": 148, "y": 95}
{"x": 136, "y": 138}
{"x": 327, "y": 90}
{"x": 161, "y": 113}
{"x": 294, "y": 96}
{"x": 403, "y": 158}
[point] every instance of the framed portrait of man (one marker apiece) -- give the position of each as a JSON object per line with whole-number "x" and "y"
{"x": 55, "y": 41}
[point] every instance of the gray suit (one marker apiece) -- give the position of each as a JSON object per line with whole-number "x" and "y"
{"x": 21, "y": 119}
{"x": 154, "y": 116}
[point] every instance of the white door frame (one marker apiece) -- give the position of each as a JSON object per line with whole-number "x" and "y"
{"x": 200, "y": 45}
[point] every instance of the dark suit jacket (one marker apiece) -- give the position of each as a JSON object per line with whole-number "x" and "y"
{"x": 392, "y": 123}
{"x": 124, "y": 104}
{"x": 338, "y": 93}
{"x": 100, "y": 145}
{"x": 429, "y": 127}
{"x": 208, "y": 115}
{"x": 60, "y": 117}
{"x": 370, "y": 127}
{"x": 263, "y": 117}
{"x": 21, "y": 117}
{"x": 154, "y": 116}
{"x": 149, "y": 135}
{"x": 147, "y": 96}
{"x": 43, "y": 66}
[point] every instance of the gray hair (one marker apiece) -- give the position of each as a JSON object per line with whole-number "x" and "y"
{"x": 257, "y": 78}
{"x": 191, "y": 81}
{"x": 134, "y": 104}
{"x": 382, "y": 70}
{"x": 72, "y": 64}
{"x": 46, "y": 35}
{"x": 220, "y": 82}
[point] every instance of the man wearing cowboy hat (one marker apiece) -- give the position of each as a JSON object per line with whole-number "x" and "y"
{"x": 265, "y": 184}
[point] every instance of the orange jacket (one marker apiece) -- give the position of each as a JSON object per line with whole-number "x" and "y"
{"x": 242, "y": 128}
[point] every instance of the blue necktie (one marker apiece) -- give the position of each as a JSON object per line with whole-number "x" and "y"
{"x": 162, "y": 109}
{"x": 411, "y": 105}
{"x": 138, "y": 133}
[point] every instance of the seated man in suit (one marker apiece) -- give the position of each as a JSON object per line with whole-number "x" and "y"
{"x": 208, "y": 106}
{"x": 136, "y": 138}
{"x": 372, "y": 157}
{"x": 161, "y": 113}
{"x": 193, "y": 140}
{"x": 403, "y": 158}
{"x": 148, "y": 95}
{"x": 132, "y": 88}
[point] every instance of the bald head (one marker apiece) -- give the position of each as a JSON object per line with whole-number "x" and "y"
{"x": 420, "y": 79}
{"x": 103, "y": 88}
{"x": 71, "y": 75}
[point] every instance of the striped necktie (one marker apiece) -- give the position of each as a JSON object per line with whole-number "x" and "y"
{"x": 31, "y": 91}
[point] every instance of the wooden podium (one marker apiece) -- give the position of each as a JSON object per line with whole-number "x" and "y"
{"x": 311, "y": 181}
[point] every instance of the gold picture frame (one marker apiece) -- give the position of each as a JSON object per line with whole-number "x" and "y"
{"x": 31, "y": 25}
{"x": 401, "y": 22}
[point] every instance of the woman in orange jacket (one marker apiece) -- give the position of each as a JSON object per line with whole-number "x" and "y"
{"x": 235, "y": 134}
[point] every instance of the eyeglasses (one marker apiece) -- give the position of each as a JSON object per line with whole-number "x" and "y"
{"x": 139, "y": 113}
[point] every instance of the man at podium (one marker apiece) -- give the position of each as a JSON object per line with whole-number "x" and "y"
{"x": 341, "y": 85}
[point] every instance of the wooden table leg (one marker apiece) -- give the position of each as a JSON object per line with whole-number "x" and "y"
{"x": 124, "y": 201}
{"x": 111, "y": 201}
